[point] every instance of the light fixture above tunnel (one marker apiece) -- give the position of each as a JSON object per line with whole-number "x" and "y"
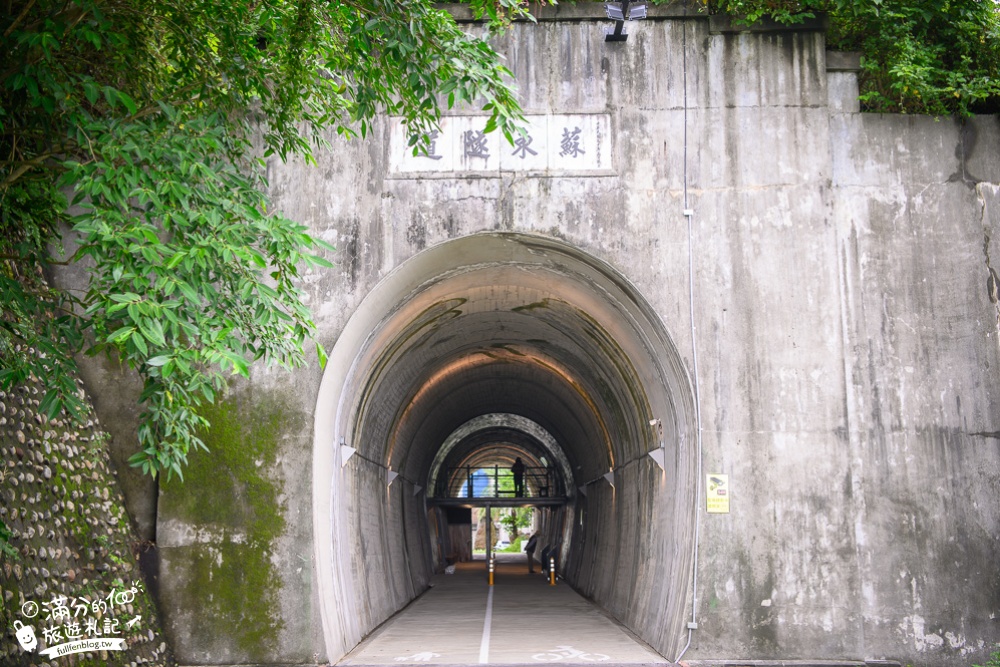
{"x": 659, "y": 454}
{"x": 619, "y": 12}
{"x": 346, "y": 452}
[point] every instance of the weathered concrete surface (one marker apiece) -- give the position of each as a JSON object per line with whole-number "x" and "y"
{"x": 233, "y": 537}
{"x": 846, "y": 330}
{"x": 914, "y": 237}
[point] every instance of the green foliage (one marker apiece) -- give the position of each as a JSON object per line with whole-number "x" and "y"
{"x": 925, "y": 57}
{"x": 918, "y": 56}
{"x": 515, "y": 546}
{"x": 144, "y": 114}
{"x": 519, "y": 517}
{"x": 994, "y": 660}
{"x": 782, "y": 11}
{"x": 6, "y": 549}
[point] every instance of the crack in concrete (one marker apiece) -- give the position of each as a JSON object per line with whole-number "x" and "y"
{"x": 505, "y": 205}
{"x": 993, "y": 279}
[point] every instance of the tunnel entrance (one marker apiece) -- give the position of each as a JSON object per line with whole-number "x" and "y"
{"x": 473, "y": 354}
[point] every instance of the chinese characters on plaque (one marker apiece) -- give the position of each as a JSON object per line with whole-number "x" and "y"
{"x": 561, "y": 143}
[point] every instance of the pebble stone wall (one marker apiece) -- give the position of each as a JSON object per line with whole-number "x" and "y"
{"x": 71, "y": 545}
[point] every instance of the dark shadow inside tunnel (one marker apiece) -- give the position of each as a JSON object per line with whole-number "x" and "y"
{"x": 474, "y": 354}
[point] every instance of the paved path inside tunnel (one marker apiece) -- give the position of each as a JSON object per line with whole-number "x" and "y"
{"x": 520, "y": 620}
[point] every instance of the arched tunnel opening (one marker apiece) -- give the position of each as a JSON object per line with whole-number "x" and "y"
{"x": 499, "y": 440}
{"x": 497, "y": 461}
{"x": 473, "y": 354}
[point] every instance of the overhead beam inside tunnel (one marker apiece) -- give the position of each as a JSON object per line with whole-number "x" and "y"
{"x": 470, "y": 437}
{"x": 471, "y": 352}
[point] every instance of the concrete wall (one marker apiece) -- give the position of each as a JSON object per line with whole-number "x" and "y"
{"x": 845, "y": 325}
{"x": 916, "y": 214}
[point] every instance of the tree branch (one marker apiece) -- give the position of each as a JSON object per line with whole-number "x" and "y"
{"x": 24, "y": 168}
{"x": 20, "y": 17}
{"x": 70, "y": 10}
{"x": 19, "y": 258}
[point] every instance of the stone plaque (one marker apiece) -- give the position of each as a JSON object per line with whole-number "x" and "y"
{"x": 561, "y": 143}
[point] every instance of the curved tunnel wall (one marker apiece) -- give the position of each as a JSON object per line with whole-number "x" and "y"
{"x": 510, "y": 324}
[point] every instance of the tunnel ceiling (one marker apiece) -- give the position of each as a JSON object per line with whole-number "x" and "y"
{"x": 501, "y": 347}
{"x": 496, "y": 446}
{"x": 534, "y": 338}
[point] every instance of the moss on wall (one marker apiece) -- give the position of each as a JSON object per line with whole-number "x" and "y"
{"x": 233, "y": 494}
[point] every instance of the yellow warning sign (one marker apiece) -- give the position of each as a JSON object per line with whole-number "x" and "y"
{"x": 717, "y": 494}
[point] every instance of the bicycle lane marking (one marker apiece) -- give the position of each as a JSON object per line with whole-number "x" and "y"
{"x": 484, "y": 646}
{"x": 568, "y": 652}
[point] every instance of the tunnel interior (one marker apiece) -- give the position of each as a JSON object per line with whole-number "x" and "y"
{"x": 492, "y": 444}
{"x": 478, "y": 352}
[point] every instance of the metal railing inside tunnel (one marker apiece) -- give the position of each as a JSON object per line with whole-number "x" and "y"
{"x": 499, "y": 482}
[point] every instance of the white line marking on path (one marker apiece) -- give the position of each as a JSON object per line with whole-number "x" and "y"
{"x": 484, "y": 646}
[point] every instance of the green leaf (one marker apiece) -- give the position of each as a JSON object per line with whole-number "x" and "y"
{"x": 91, "y": 91}
{"x": 51, "y": 404}
{"x": 239, "y": 363}
{"x": 140, "y": 343}
{"x": 127, "y": 101}
{"x": 321, "y": 354}
{"x": 189, "y": 291}
{"x": 316, "y": 260}
{"x": 121, "y": 335}
{"x": 152, "y": 330}
{"x": 175, "y": 259}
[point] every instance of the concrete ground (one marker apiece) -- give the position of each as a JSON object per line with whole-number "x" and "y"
{"x": 520, "y": 620}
